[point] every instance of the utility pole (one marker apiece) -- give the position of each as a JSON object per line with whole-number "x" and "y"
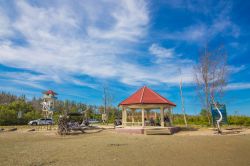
{"x": 182, "y": 102}
{"x": 105, "y": 99}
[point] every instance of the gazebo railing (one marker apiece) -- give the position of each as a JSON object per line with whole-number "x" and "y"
{"x": 146, "y": 123}
{"x": 132, "y": 123}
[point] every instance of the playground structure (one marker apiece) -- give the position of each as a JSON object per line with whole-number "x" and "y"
{"x": 48, "y": 104}
{"x": 219, "y": 115}
{"x": 48, "y": 108}
{"x": 74, "y": 121}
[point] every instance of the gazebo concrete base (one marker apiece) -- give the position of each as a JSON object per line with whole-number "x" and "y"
{"x": 162, "y": 131}
{"x": 148, "y": 130}
{"x": 130, "y": 130}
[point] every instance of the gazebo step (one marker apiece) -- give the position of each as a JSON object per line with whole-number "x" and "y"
{"x": 148, "y": 131}
{"x": 130, "y": 130}
{"x": 162, "y": 131}
{"x": 158, "y": 132}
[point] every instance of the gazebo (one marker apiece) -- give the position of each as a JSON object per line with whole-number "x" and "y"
{"x": 145, "y": 99}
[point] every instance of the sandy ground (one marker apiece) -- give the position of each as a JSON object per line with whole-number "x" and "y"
{"x": 105, "y": 147}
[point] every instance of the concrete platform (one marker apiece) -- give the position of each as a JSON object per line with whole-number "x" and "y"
{"x": 130, "y": 130}
{"x": 148, "y": 130}
{"x": 162, "y": 131}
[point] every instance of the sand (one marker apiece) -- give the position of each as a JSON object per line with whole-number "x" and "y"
{"x": 105, "y": 147}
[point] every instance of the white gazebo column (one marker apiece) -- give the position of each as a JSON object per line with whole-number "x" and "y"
{"x": 162, "y": 116}
{"x": 170, "y": 115}
{"x": 148, "y": 112}
{"x": 142, "y": 117}
{"x": 133, "y": 119}
{"x": 124, "y": 116}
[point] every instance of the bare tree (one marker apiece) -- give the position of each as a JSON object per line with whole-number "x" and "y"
{"x": 210, "y": 76}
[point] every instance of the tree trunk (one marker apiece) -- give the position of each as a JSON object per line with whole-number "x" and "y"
{"x": 208, "y": 109}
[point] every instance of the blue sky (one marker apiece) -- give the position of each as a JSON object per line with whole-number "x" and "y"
{"x": 77, "y": 47}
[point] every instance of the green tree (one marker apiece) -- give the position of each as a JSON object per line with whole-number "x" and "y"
{"x": 203, "y": 115}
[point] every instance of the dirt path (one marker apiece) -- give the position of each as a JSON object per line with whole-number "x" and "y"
{"x": 109, "y": 148}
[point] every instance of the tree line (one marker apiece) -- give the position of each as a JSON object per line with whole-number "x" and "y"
{"x": 17, "y": 110}
{"x": 202, "y": 120}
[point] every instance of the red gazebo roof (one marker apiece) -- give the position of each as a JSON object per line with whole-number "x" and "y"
{"x": 146, "y": 95}
{"x": 50, "y": 92}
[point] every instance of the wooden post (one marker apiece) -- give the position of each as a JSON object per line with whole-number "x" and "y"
{"x": 162, "y": 116}
{"x": 142, "y": 117}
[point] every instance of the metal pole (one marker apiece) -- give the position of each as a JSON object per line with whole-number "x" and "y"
{"x": 182, "y": 103}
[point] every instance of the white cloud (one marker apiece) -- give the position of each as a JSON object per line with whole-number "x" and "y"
{"x": 237, "y": 86}
{"x": 218, "y": 18}
{"x": 57, "y": 46}
{"x": 131, "y": 22}
{"x": 235, "y": 69}
{"x": 75, "y": 39}
{"x": 5, "y": 25}
{"x": 19, "y": 91}
{"x": 161, "y": 52}
{"x": 27, "y": 79}
{"x": 192, "y": 33}
{"x": 63, "y": 42}
{"x": 202, "y": 33}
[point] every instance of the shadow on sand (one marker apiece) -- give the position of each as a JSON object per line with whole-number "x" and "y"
{"x": 189, "y": 129}
{"x": 90, "y": 130}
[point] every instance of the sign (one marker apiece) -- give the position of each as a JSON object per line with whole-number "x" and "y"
{"x": 216, "y": 115}
{"x": 19, "y": 114}
{"x": 104, "y": 117}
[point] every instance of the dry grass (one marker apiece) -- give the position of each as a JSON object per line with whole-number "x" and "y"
{"x": 109, "y": 148}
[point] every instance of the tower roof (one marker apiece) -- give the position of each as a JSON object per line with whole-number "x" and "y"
{"x": 146, "y": 95}
{"x": 50, "y": 92}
